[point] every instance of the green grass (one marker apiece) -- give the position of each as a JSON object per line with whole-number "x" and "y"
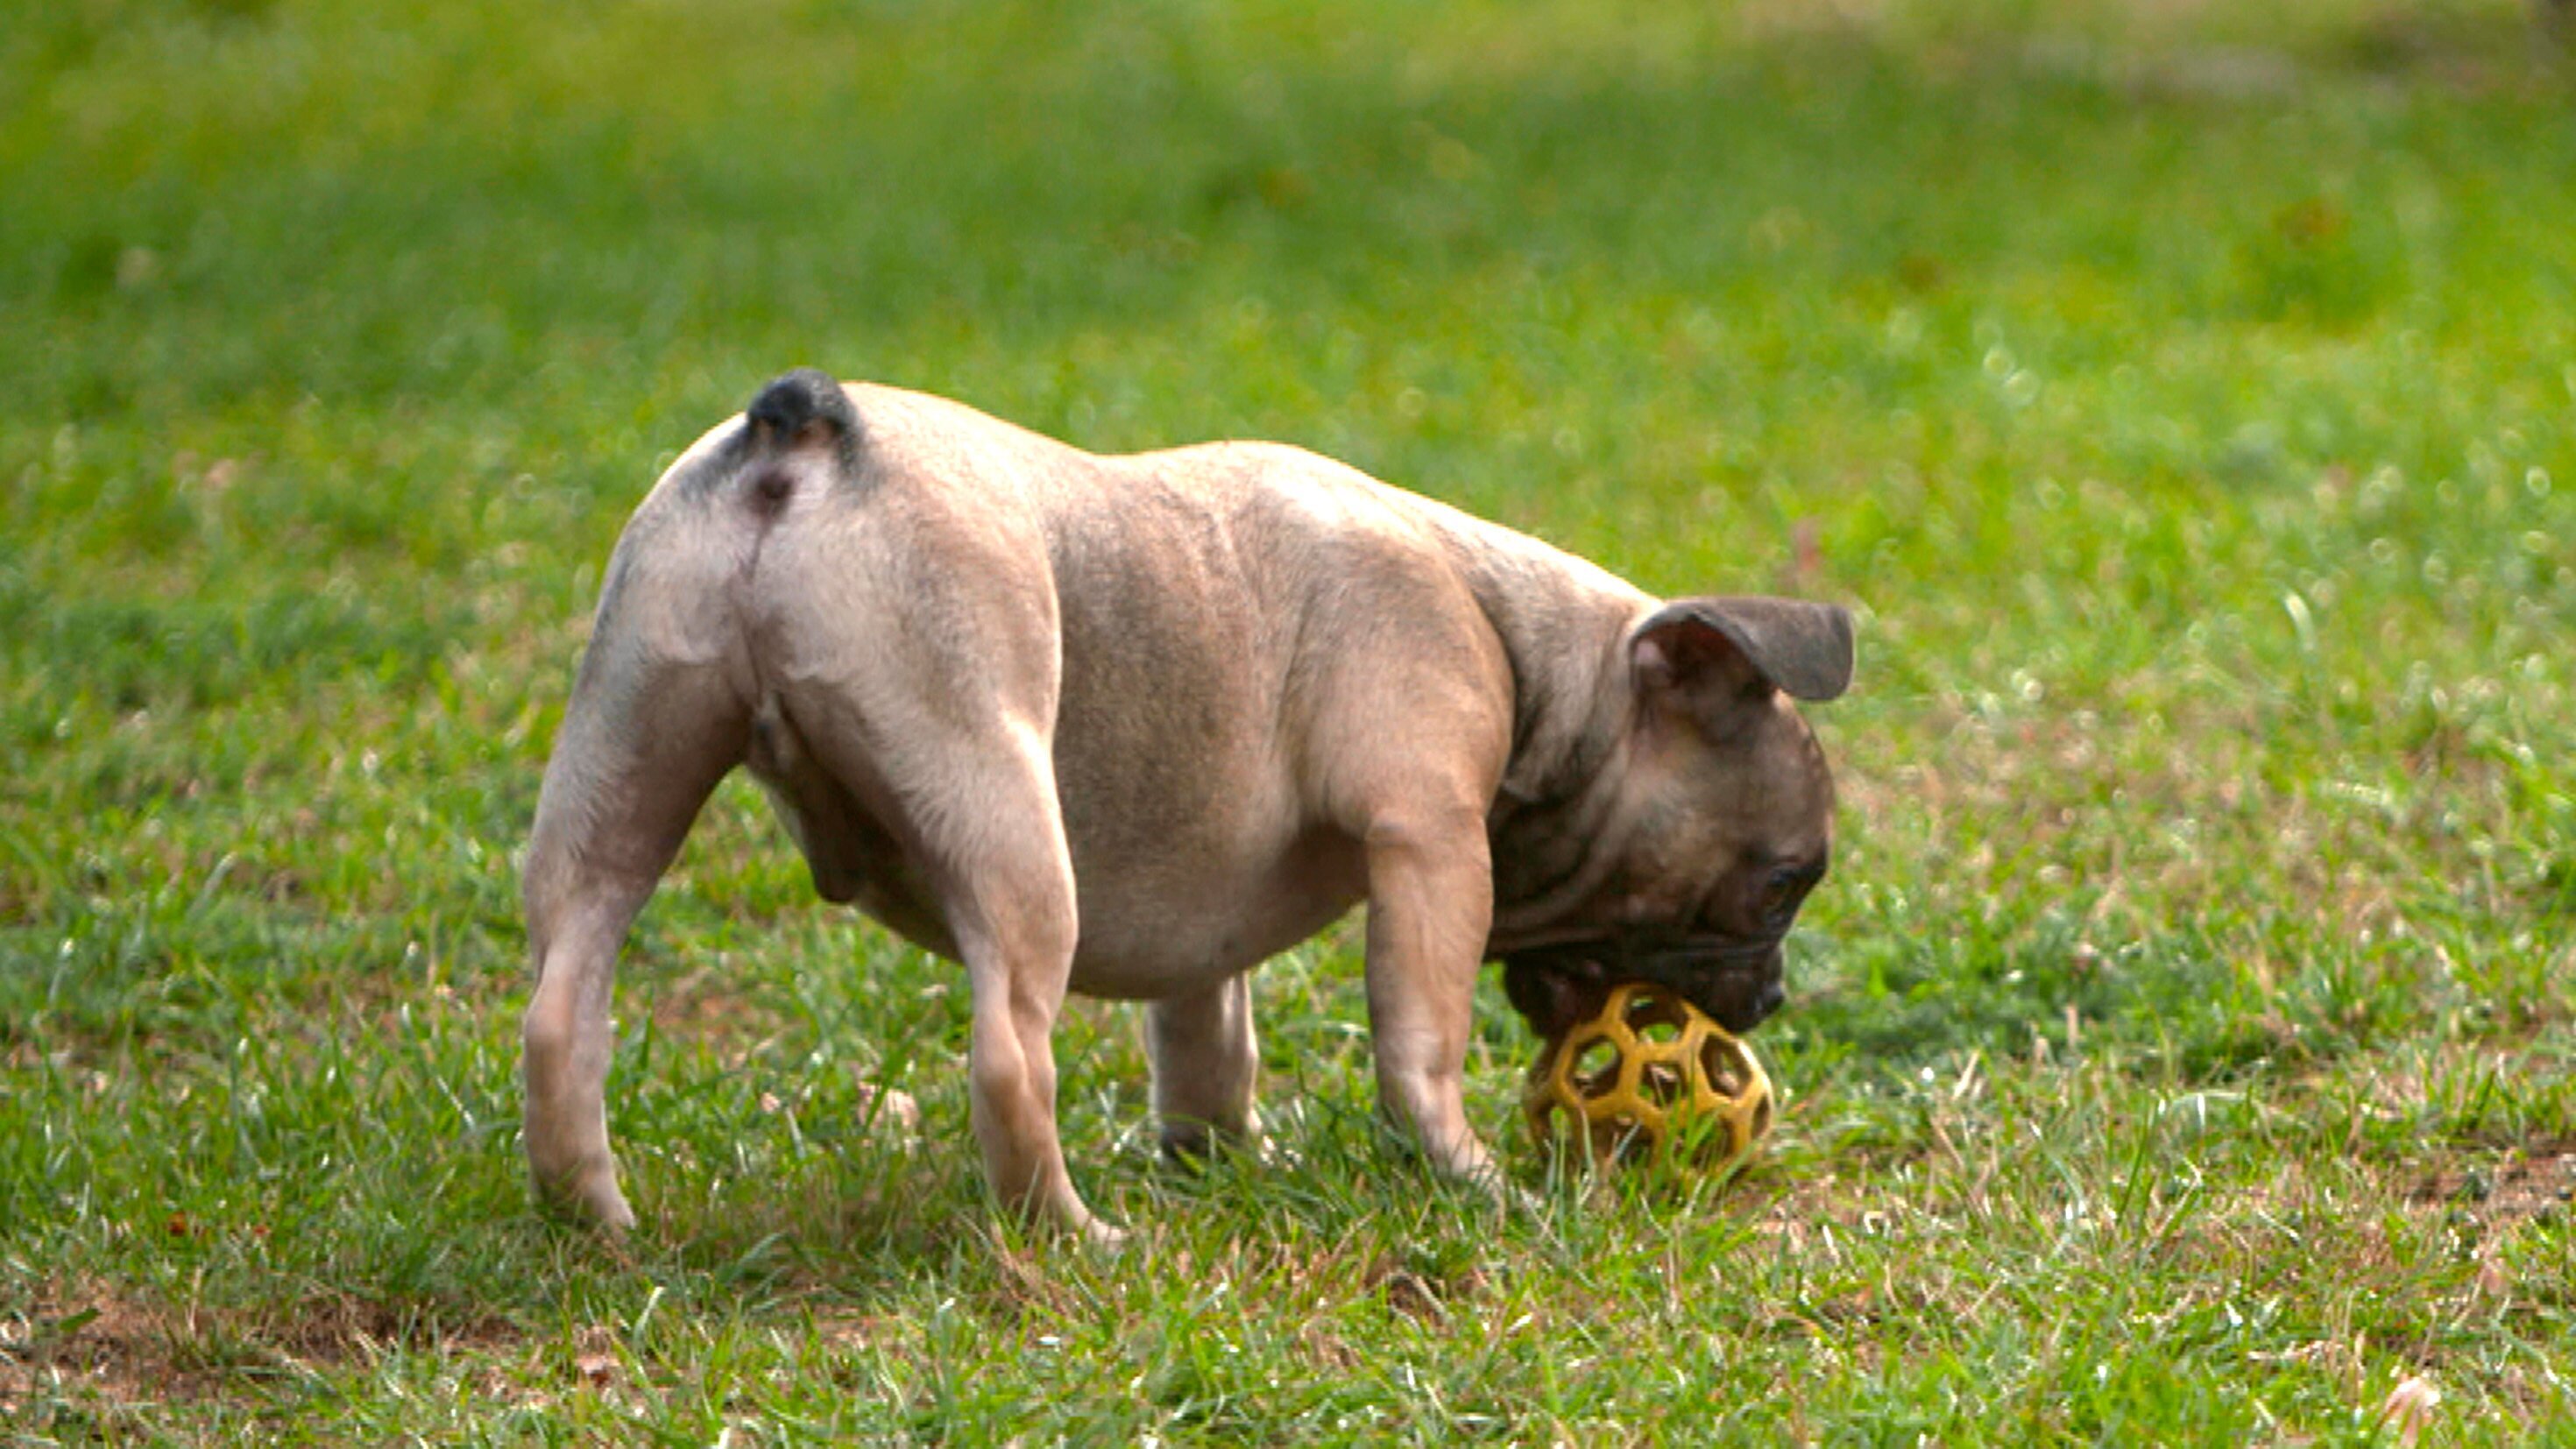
{"x": 2181, "y": 1051}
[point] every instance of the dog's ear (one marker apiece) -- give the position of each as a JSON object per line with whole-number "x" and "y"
{"x": 1713, "y": 648}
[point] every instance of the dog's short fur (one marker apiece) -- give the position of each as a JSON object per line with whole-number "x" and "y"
{"x": 1130, "y": 725}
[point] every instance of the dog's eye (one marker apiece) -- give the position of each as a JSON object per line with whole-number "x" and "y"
{"x": 1780, "y": 896}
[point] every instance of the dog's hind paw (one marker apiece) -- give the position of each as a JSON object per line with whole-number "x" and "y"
{"x": 593, "y": 1202}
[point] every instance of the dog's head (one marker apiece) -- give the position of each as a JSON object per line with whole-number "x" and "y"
{"x": 1716, "y": 826}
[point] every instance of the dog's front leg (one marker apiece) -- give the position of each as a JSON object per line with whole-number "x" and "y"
{"x": 1431, "y": 891}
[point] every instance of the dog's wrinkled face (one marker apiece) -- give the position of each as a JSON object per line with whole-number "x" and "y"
{"x": 1722, "y": 824}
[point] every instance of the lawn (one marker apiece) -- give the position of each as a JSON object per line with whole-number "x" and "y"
{"x": 2183, "y": 395}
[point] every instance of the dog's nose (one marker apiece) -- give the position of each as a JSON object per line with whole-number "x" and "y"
{"x": 1745, "y": 1007}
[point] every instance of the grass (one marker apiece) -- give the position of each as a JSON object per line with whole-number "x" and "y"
{"x": 2181, "y": 1050}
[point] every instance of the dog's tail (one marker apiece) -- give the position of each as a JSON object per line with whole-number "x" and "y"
{"x": 799, "y": 415}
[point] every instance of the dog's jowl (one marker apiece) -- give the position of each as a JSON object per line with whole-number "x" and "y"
{"x": 1130, "y": 725}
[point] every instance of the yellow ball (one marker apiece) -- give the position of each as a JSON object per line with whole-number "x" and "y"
{"x": 1645, "y": 1072}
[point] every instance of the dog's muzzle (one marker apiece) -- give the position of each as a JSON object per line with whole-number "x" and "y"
{"x": 1736, "y": 982}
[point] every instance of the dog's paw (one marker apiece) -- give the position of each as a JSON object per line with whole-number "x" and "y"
{"x": 592, "y": 1202}
{"x": 1104, "y": 1237}
{"x": 1193, "y": 1146}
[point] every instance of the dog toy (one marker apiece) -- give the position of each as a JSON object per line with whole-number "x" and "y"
{"x": 1646, "y": 1074}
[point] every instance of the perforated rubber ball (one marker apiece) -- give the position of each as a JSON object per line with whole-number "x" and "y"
{"x": 1649, "y": 1073}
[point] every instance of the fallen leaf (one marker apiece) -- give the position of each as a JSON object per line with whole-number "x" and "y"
{"x": 890, "y": 1113}
{"x": 2407, "y": 1407}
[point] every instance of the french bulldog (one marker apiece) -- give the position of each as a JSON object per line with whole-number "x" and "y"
{"x": 1131, "y": 725}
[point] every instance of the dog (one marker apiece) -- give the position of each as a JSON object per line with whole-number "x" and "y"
{"x": 1131, "y": 725}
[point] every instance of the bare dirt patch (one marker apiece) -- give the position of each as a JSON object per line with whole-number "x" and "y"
{"x": 90, "y": 1346}
{"x": 99, "y": 1347}
{"x": 2530, "y": 1182}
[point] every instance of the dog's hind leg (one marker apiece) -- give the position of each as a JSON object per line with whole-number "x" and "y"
{"x": 942, "y": 721}
{"x": 1013, "y": 910}
{"x": 644, "y": 741}
{"x": 978, "y": 815}
{"x": 1205, "y": 1064}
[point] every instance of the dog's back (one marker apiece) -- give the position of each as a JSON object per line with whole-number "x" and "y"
{"x": 1196, "y": 609}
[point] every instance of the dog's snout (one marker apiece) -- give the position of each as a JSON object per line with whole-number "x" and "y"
{"x": 1743, "y": 993}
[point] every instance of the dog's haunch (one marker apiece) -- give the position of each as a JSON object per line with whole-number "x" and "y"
{"x": 1648, "y": 1076}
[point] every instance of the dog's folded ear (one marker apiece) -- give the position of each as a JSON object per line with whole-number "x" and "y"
{"x": 1725, "y": 645}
